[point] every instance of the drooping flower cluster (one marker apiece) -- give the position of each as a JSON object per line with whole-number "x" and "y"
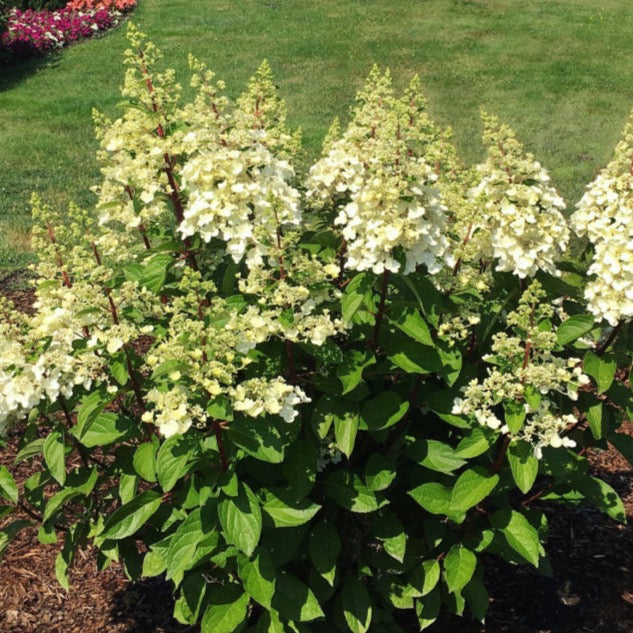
{"x": 383, "y": 188}
{"x": 605, "y": 216}
{"x": 518, "y": 211}
{"x": 525, "y": 371}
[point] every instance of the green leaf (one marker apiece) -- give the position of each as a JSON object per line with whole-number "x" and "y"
{"x": 433, "y": 497}
{"x": 300, "y": 467}
{"x": 603, "y": 496}
{"x": 104, "y": 428}
{"x": 350, "y": 371}
{"x": 434, "y": 455}
{"x": 356, "y": 603}
{"x": 459, "y": 567}
{"x": 10, "y": 531}
{"x": 515, "y": 414}
{"x": 267, "y": 440}
{"x": 473, "y": 486}
{"x": 349, "y": 492}
{"x": 424, "y": 577}
{"x": 355, "y": 292}
{"x": 475, "y": 443}
{"x": 380, "y": 472}
{"x": 8, "y": 487}
{"x": 523, "y": 464}
{"x": 30, "y": 450}
{"x": 172, "y": 461}
{"x": 409, "y": 320}
{"x": 391, "y": 532}
{"x": 131, "y": 517}
{"x": 594, "y": 417}
{"x": 345, "y": 431}
{"x": 241, "y": 520}
{"x": 624, "y": 444}
{"x": 477, "y": 598}
{"x": 383, "y": 411}
{"x": 192, "y": 593}
{"x": 227, "y": 610}
{"x": 183, "y": 544}
{"x": 78, "y": 483}
{"x": 413, "y": 359}
{"x": 286, "y": 511}
{"x": 144, "y": 461}
{"x": 519, "y": 533}
{"x": 428, "y": 608}
{"x": 54, "y": 456}
{"x": 324, "y": 547}
{"x": 573, "y": 328}
{"x": 155, "y": 272}
{"x": 294, "y": 600}
{"x": 258, "y": 576}
{"x": 601, "y": 369}
{"x": 91, "y": 406}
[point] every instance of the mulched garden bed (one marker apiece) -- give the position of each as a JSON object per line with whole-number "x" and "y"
{"x": 591, "y": 590}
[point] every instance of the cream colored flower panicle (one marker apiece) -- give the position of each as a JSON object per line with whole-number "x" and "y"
{"x": 605, "y": 215}
{"x": 389, "y": 207}
{"x": 521, "y": 211}
{"x": 525, "y": 368}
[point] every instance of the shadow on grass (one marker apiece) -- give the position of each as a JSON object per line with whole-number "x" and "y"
{"x": 14, "y": 70}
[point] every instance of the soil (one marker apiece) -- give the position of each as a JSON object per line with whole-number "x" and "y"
{"x": 591, "y": 590}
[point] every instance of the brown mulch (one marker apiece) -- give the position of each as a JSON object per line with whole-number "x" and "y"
{"x": 591, "y": 590}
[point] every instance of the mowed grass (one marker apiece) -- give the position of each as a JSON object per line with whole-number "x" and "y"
{"x": 560, "y": 72}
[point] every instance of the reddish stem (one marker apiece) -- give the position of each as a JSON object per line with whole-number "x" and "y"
{"x": 217, "y": 429}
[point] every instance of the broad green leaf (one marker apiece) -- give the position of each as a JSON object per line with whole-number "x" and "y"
{"x": 391, "y": 532}
{"x": 285, "y": 510}
{"x": 77, "y": 484}
{"x": 428, "y": 608}
{"x": 520, "y": 534}
{"x": 357, "y": 605}
{"x": 226, "y": 611}
{"x": 413, "y": 359}
{"x": 172, "y": 460}
{"x": 349, "y": 492}
{"x": 144, "y": 461}
{"x": 523, "y": 464}
{"x": 345, "y": 431}
{"x": 54, "y": 456}
{"x": 357, "y": 289}
{"x": 294, "y": 600}
{"x": 574, "y": 327}
{"x": 603, "y": 496}
{"x": 30, "y": 450}
{"x": 459, "y": 567}
{"x": 91, "y": 406}
{"x": 624, "y": 444}
{"x": 452, "y": 361}
{"x": 475, "y": 443}
{"x": 515, "y": 414}
{"x": 183, "y": 544}
{"x": 350, "y": 371}
{"x": 324, "y": 548}
{"x": 600, "y": 368}
{"x": 409, "y": 320}
{"x": 434, "y": 455}
{"x": 8, "y": 487}
{"x": 192, "y": 593}
{"x": 380, "y": 472}
{"x": 300, "y": 467}
{"x": 424, "y": 577}
{"x": 10, "y": 531}
{"x": 473, "y": 486}
{"x": 384, "y": 410}
{"x": 267, "y": 440}
{"x": 241, "y": 520}
{"x": 433, "y": 497}
{"x": 477, "y": 598}
{"x": 154, "y": 272}
{"x": 103, "y": 429}
{"x": 259, "y": 578}
{"x": 131, "y": 517}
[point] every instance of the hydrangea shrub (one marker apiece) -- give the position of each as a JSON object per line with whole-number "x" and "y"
{"x": 313, "y": 401}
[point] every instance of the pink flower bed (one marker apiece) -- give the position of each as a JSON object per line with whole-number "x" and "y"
{"x": 30, "y": 31}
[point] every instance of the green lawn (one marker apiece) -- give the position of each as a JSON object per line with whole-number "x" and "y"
{"x": 560, "y": 72}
